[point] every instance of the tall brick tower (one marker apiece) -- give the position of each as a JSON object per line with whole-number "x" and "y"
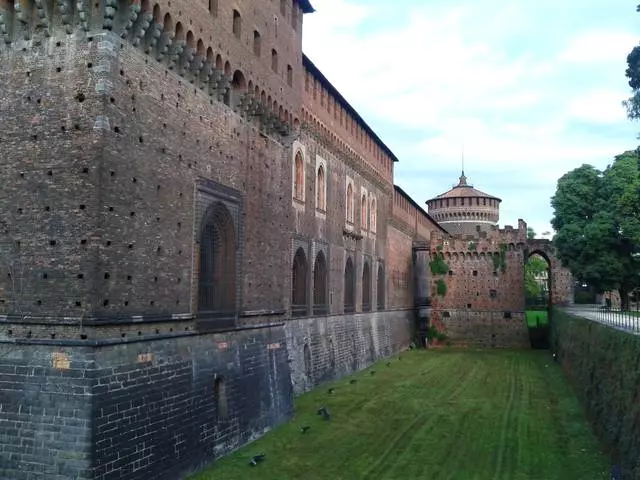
{"x": 465, "y": 210}
{"x": 142, "y": 143}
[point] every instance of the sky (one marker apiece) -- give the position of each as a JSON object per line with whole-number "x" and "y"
{"x": 529, "y": 90}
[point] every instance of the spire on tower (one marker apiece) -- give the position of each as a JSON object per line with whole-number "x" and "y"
{"x": 463, "y": 179}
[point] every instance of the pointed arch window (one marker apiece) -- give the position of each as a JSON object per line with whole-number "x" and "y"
{"x": 350, "y": 202}
{"x": 217, "y": 274}
{"x": 366, "y": 288}
{"x": 299, "y": 284}
{"x": 363, "y": 211}
{"x": 373, "y": 212}
{"x": 349, "y": 287}
{"x": 320, "y": 303}
{"x": 257, "y": 43}
{"x": 298, "y": 191}
{"x": 321, "y": 199}
{"x": 237, "y": 23}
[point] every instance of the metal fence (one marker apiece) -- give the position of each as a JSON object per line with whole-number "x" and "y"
{"x": 628, "y": 320}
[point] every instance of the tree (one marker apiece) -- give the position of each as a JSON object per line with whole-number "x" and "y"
{"x": 531, "y": 233}
{"x": 533, "y": 270}
{"x": 597, "y": 229}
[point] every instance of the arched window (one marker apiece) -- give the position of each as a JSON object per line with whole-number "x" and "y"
{"x": 380, "y": 287}
{"x": 274, "y": 60}
{"x": 299, "y": 284}
{"x": 290, "y": 75}
{"x": 363, "y": 214}
{"x": 321, "y": 200}
{"x": 349, "y": 203}
{"x": 217, "y": 276}
{"x": 366, "y": 288}
{"x": 257, "y": 43}
{"x": 349, "y": 287}
{"x": 373, "y": 213}
{"x": 298, "y": 192}
{"x": 237, "y": 23}
{"x": 320, "y": 304}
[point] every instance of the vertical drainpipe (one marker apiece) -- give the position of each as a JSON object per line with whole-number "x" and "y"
{"x": 421, "y": 298}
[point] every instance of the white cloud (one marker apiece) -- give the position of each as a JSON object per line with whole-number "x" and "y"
{"x": 459, "y": 74}
{"x": 598, "y": 47}
{"x": 599, "y": 107}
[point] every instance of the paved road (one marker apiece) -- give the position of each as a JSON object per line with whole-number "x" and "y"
{"x": 621, "y": 320}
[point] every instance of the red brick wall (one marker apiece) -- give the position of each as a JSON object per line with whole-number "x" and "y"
{"x": 400, "y": 267}
{"x": 322, "y": 113}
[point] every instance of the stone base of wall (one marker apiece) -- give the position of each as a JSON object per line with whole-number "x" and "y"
{"x": 327, "y": 348}
{"x": 483, "y": 328}
{"x": 162, "y": 407}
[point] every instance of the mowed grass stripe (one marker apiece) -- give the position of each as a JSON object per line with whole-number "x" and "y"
{"x": 452, "y": 414}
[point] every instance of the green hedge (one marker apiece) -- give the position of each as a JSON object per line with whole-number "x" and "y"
{"x": 603, "y": 366}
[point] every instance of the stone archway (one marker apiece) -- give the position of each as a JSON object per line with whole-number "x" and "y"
{"x": 538, "y": 314}
{"x": 560, "y": 278}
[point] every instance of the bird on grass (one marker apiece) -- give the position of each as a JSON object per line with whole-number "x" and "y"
{"x": 330, "y": 391}
{"x": 373, "y": 372}
{"x": 256, "y": 459}
{"x": 304, "y": 428}
{"x": 324, "y": 413}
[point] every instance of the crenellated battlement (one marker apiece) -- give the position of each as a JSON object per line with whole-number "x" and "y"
{"x": 483, "y": 240}
{"x": 239, "y": 54}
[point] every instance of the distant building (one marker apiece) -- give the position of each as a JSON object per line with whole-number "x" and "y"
{"x": 465, "y": 210}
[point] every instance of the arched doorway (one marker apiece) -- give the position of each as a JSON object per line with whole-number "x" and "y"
{"x": 320, "y": 303}
{"x": 538, "y": 298}
{"x": 217, "y": 266}
{"x": 299, "y": 284}
{"x": 366, "y": 288}
{"x": 349, "y": 287}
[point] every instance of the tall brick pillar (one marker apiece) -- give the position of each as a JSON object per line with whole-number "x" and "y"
{"x": 421, "y": 294}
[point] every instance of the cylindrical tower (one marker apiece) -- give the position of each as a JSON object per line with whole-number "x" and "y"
{"x": 463, "y": 209}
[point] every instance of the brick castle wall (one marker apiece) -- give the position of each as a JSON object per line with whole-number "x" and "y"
{"x": 477, "y": 328}
{"x": 328, "y": 348}
{"x": 160, "y": 408}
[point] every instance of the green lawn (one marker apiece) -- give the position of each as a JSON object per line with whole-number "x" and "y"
{"x": 450, "y": 414}
{"x": 537, "y": 318}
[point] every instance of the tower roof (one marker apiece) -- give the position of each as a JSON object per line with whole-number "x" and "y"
{"x": 463, "y": 189}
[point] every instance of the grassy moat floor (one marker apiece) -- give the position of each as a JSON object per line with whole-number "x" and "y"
{"x": 448, "y": 414}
